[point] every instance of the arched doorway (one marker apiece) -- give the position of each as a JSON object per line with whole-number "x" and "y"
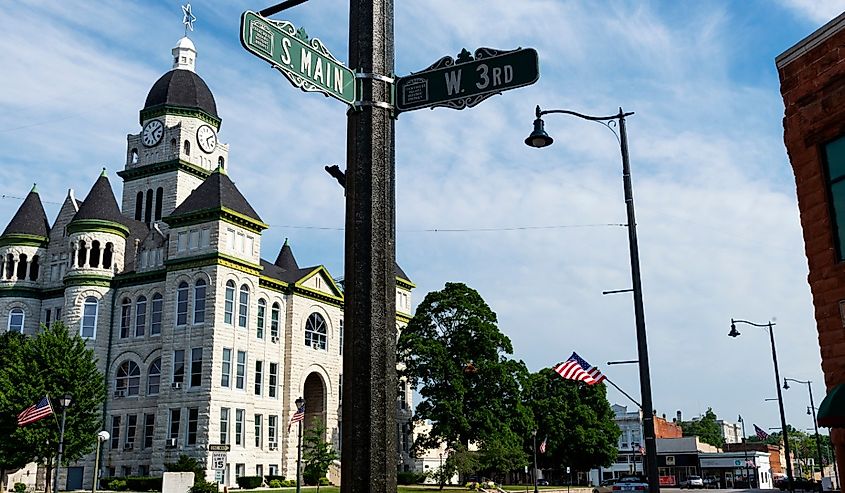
{"x": 314, "y": 392}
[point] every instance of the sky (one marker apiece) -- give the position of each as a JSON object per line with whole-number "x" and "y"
{"x": 536, "y": 231}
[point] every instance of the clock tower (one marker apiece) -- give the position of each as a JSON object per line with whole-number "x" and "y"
{"x": 176, "y": 147}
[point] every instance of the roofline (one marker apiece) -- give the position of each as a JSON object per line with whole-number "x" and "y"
{"x": 818, "y": 37}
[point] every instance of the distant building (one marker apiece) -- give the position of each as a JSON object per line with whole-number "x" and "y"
{"x": 812, "y": 83}
{"x": 731, "y": 432}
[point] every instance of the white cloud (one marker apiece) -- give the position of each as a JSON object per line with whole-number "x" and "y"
{"x": 820, "y": 11}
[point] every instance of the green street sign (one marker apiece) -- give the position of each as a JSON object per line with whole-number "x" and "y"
{"x": 466, "y": 81}
{"x": 305, "y": 62}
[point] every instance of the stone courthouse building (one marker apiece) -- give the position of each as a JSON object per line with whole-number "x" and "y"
{"x": 200, "y": 339}
{"x": 812, "y": 77}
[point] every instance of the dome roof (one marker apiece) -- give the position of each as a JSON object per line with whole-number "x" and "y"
{"x": 182, "y": 88}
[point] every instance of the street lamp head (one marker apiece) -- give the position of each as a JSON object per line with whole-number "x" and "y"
{"x": 809, "y": 413}
{"x": 739, "y": 418}
{"x": 65, "y": 400}
{"x": 539, "y": 138}
{"x": 733, "y": 332}
{"x": 299, "y": 402}
{"x": 785, "y": 384}
{"x": 103, "y": 436}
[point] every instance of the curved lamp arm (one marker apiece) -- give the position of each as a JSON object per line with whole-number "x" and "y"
{"x": 752, "y": 323}
{"x": 539, "y": 113}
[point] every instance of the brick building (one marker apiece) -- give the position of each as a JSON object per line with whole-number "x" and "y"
{"x": 812, "y": 77}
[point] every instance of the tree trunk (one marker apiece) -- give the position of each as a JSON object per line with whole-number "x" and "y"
{"x": 48, "y": 476}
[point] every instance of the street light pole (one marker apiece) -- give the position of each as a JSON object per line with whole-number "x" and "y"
{"x": 539, "y": 138}
{"x": 65, "y": 402}
{"x": 300, "y": 407}
{"x": 745, "y": 450}
{"x": 534, "y": 434}
{"x": 101, "y": 437}
{"x": 769, "y": 326}
{"x": 811, "y": 410}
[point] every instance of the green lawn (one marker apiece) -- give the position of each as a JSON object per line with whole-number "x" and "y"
{"x": 416, "y": 489}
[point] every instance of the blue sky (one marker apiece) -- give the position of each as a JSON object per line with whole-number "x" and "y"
{"x": 714, "y": 193}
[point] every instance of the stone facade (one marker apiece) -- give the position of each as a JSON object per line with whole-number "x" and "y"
{"x": 200, "y": 340}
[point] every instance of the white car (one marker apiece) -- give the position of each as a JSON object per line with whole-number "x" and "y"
{"x": 630, "y": 483}
{"x": 692, "y": 482}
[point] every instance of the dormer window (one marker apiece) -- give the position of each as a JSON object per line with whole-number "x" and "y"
{"x": 187, "y": 148}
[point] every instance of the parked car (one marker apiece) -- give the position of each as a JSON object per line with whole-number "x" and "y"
{"x": 631, "y": 483}
{"x": 692, "y": 482}
{"x": 605, "y": 486}
{"x": 542, "y": 482}
{"x": 711, "y": 482}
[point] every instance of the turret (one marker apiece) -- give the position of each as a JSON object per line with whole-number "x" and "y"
{"x": 24, "y": 241}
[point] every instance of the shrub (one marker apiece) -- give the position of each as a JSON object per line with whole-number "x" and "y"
{"x": 270, "y": 477}
{"x": 289, "y": 482}
{"x": 143, "y": 483}
{"x": 204, "y": 486}
{"x": 275, "y": 483}
{"x": 250, "y": 482}
{"x": 20, "y": 488}
{"x": 117, "y": 484}
{"x": 409, "y": 477}
{"x": 187, "y": 464}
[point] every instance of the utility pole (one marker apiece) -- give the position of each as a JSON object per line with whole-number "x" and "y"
{"x": 369, "y": 355}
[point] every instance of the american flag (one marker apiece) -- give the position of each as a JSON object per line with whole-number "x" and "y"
{"x": 762, "y": 435}
{"x": 35, "y": 412}
{"x": 576, "y": 368}
{"x": 543, "y": 446}
{"x": 297, "y": 417}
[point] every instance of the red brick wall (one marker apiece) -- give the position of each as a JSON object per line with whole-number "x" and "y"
{"x": 664, "y": 429}
{"x": 813, "y": 90}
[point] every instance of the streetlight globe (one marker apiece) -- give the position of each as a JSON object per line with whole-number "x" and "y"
{"x": 299, "y": 402}
{"x": 785, "y": 384}
{"x": 539, "y": 138}
{"x": 103, "y": 436}
{"x": 65, "y": 400}
{"x": 733, "y": 332}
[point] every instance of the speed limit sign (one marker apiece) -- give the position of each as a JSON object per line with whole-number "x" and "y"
{"x": 218, "y": 460}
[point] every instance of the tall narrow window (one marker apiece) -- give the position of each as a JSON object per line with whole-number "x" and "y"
{"x": 155, "y": 315}
{"x": 835, "y": 167}
{"x": 131, "y": 429}
{"x": 154, "y": 377}
{"x": 115, "y": 432}
{"x": 199, "y": 301}
{"x": 139, "y": 205}
{"x": 229, "y": 303}
{"x": 179, "y": 366}
{"x": 239, "y": 427}
{"x": 159, "y": 196}
{"x": 175, "y": 420}
{"x": 149, "y": 429}
{"x": 16, "y": 319}
{"x": 240, "y": 374}
{"x": 148, "y": 207}
{"x": 274, "y": 321}
{"x": 259, "y": 370}
{"x": 80, "y": 259}
{"x": 226, "y": 368}
{"x": 89, "y": 318}
{"x": 128, "y": 378}
{"x": 33, "y": 268}
{"x": 107, "y": 255}
{"x": 125, "y": 317}
{"x": 140, "y": 316}
{"x": 272, "y": 425}
{"x": 259, "y": 326}
{"x": 273, "y": 380}
{"x": 93, "y": 255}
{"x": 224, "y": 425}
{"x": 182, "y": 304}
{"x": 196, "y": 367}
{"x": 193, "y": 422}
{"x": 258, "y": 424}
{"x": 315, "y": 331}
{"x": 187, "y": 148}
{"x": 243, "y": 306}
{"x": 340, "y": 331}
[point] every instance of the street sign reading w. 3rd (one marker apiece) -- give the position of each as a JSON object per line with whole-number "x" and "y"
{"x": 306, "y": 63}
{"x": 467, "y": 81}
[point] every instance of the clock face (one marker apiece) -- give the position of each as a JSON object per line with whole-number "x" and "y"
{"x": 152, "y": 133}
{"x": 206, "y": 138}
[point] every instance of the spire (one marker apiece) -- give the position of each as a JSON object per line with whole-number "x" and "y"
{"x": 217, "y": 192}
{"x": 30, "y": 219}
{"x": 100, "y": 203}
{"x": 285, "y": 260}
{"x": 184, "y": 55}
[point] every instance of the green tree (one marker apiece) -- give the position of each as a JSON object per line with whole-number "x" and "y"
{"x": 317, "y": 454}
{"x": 12, "y": 455}
{"x": 185, "y": 463}
{"x": 705, "y": 428}
{"x": 453, "y": 353}
{"x": 575, "y": 419}
{"x": 53, "y": 363}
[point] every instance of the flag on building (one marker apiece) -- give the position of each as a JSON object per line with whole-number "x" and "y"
{"x": 297, "y": 417}
{"x": 35, "y": 412}
{"x": 762, "y": 435}
{"x": 577, "y": 368}
{"x": 543, "y": 446}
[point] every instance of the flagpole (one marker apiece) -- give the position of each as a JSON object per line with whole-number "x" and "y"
{"x": 622, "y": 391}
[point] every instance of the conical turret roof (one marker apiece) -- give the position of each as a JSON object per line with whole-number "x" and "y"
{"x": 285, "y": 260}
{"x": 30, "y": 219}
{"x": 100, "y": 203}
{"x": 217, "y": 192}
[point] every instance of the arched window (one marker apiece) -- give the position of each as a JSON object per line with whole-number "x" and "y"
{"x": 148, "y": 207}
{"x": 125, "y": 317}
{"x": 139, "y": 205}
{"x": 89, "y": 318}
{"x": 140, "y": 316}
{"x": 128, "y": 378}
{"x": 243, "y": 306}
{"x": 80, "y": 260}
{"x": 159, "y": 197}
{"x": 155, "y": 314}
{"x": 221, "y": 162}
{"x": 154, "y": 377}
{"x": 315, "y": 331}
{"x": 33, "y": 268}
{"x": 187, "y": 148}
{"x": 229, "y": 303}
{"x": 133, "y": 156}
{"x": 107, "y": 255}
{"x": 182, "y": 304}
{"x": 274, "y": 321}
{"x": 16, "y": 319}
{"x": 94, "y": 254}
{"x": 22, "y": 267}
{"x": 10, "y": 266}
{"x": 174, "y": 147}
{"x": 262, "y": 312}
{"x": 199, "y": 301}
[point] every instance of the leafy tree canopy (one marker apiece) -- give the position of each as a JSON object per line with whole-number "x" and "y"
{"x": 317, "y": 453}
{"x": 705, "y": 428}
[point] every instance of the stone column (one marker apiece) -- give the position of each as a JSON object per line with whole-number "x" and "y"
{"x": 15, "y": 261}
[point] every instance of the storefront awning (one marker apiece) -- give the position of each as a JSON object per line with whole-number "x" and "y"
{"x": 832, "y": 409}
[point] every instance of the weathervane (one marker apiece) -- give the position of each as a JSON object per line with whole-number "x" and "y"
{"x": 188, "y": 19}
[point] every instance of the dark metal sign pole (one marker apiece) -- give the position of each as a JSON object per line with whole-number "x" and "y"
{"x": 369, "y": 359}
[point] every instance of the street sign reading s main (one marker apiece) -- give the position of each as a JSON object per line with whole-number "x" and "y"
{"x": 306, "y": 63}
{"x": 466, "y": 81}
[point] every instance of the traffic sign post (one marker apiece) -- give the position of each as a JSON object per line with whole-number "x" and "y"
{"x": 218, "y": 461}
{"x": 306, "y": 63}
{"x": 466, "y": 81}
